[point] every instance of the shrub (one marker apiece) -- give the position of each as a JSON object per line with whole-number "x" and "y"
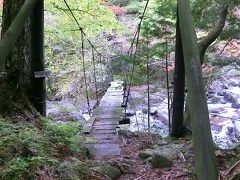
{"x": 27, "y": 149}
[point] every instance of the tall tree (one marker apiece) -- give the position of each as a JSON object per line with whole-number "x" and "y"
{"x": 203, "y": 45}
{"x": 204, "y": 155}
{"x": 179, "y": 86}
{"x": 16, "y": 80}
{"x": 179, "y": 82}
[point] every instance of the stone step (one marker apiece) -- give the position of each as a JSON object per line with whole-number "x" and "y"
{"x": 103, "y": 131}
{"x": 108, "y": 149}
{"x": 109, "y": 127}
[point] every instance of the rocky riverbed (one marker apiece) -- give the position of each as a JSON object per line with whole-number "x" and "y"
{"x": 223, "y": 97}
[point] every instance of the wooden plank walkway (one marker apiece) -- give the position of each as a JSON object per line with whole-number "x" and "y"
{"x": 104, "y": 122}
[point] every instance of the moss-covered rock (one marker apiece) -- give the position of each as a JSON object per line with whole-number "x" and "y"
{"x": 160, "y": 161}
{"x": 111, "y": 172}
{"x": 144, "y": 154}
{"x": 83, "y": 171}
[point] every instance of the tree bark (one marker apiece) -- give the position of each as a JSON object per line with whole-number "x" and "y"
{"x": 204, "y": 155}
{"x": 17, "y": 65}
{"x": 177, "y": 129}
{"x": 13, "y": 26}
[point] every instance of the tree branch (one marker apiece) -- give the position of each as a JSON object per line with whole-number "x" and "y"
{"x": 77, "y": 10}
{"x": 214, "y": 32}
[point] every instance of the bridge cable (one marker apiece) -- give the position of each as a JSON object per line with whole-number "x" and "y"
{"x": 134, "y": 64}
{"x": 136, "y": 36}
{"x": 79, "y": 26}
{"x": 168, "y": 88}
{"x": 127, "y": 88}
{"x": 148, "y": 85}
{"x": 84, "y": 74}
{"x": 91, "y": 44}
{"x": 94, "y": 74}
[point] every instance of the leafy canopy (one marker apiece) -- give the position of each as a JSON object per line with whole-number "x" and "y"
{"x": 93, "y": 16}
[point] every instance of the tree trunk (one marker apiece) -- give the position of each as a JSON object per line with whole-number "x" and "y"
{"x": 203, "y": 44}
{"x": 178, "y": 86}
{"x": 204, "y": 155}
{"x": 17, "y": 65}
{"x": 214, "y": 33}
{"x": 37, "y": 85}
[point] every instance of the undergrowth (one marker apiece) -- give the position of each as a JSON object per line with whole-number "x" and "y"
{"x": 40, "y": 149}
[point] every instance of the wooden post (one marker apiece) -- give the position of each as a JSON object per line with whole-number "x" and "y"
{"x": 38, "y": 87}
{"x": 204, "y": 155}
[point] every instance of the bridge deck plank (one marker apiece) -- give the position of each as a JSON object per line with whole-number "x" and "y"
{"x": 105, "y": 121}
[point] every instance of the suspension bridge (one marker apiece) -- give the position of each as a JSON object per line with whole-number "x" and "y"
{"x": 110, "y": 110}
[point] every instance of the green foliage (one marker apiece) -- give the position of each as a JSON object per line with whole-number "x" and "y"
{"x": 155, "y": 54}
{"x": 28, "y": 149}
{"x": 92, "y": 16}
{"x": 161, "y": 17}
{"x": 119, "y": 2}
{"x": 63, "y": 39}
{"x": 135, "y": 6}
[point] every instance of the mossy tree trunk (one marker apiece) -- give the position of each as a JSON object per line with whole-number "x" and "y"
{"x": 15, "y": 83}
{"x": 204, "y": 155}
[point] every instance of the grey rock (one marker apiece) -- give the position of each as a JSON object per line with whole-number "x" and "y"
{"x": 130, "y": 113}
{"x": 225, "y": 85}
{"x": 230, "y": 97}
{"x": 236, "y": 104}
{"x": 220, "y": 93}
{"x": 160, "y": 161}
{"x": 153, "y": 112}
{"x": 210, "y": 95}
{"x": 236, "y": 116}
{"x": 219, "y": 110}
{"x": 233, "y": 82}
{"x": 216, "y": 99}
{"x": 145, "y": 111}
{"x": 216, "y": 128}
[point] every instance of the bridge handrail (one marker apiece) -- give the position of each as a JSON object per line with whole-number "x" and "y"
{"x": 14, "y": 31}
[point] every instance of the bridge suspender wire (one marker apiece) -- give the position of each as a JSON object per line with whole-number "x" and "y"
{"x": 136, "y": 36}
{"x": 101, "y": 68}
{"x": 134, "y": 63}
{"x": 84, "y": 66}
{"x": 148, "y": 87}
{"x": 80, "y": 28}
{"x": 94, "y": 74}
{"x": 84, "y": 74}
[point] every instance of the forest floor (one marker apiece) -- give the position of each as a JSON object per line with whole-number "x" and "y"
{"x": 135, "y": 160}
